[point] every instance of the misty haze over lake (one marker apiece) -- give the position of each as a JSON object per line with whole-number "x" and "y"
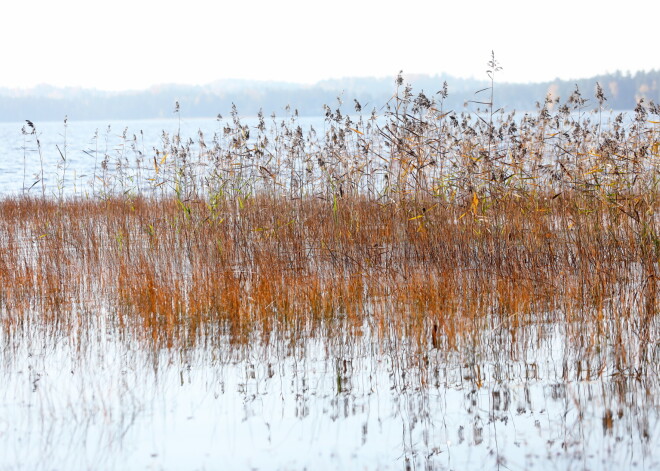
{"x": 46, "y": 103}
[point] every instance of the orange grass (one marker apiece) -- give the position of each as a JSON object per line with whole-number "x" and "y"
{"x": 431, "y": 226}
{"x": 299, "y": 268}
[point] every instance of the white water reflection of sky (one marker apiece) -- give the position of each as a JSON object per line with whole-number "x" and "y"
{"x": 109, "y": 406}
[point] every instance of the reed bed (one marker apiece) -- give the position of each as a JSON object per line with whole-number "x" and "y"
{"x": 491, "y": 278}
{"x": 412, "y": 222}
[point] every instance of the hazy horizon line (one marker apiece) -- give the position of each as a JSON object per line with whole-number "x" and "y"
{"x": 301, "y": 84}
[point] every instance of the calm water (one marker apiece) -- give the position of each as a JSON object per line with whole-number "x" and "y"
{"x": 98, "y": 400}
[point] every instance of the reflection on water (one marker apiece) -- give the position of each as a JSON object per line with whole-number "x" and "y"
{"x": 98, "y": 399}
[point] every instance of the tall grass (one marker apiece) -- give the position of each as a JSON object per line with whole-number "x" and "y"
{"x": 412, "y": 222}
{"x": 483, "y": 263}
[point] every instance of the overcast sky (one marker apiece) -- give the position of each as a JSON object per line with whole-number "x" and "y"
{"x": 133, "y": 44}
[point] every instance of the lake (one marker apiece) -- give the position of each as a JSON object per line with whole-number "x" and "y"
{"x": 503, "y": 328}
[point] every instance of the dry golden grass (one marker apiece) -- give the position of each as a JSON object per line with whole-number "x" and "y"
{"x": 432, "y": 227}
{"x": 298, "y": 268}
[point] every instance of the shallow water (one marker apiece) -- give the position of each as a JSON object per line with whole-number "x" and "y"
{"x": 100, "y": 399}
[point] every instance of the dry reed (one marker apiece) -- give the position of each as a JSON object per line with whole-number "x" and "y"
{"x": 423, "y": 224}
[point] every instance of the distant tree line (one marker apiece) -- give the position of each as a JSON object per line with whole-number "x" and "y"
{"x": 622, "y": 90}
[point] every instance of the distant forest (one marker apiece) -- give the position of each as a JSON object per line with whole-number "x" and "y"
{"x": 622, "y": 90}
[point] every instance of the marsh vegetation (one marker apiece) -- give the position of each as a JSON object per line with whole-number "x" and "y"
{"x": 409, "y": 288}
